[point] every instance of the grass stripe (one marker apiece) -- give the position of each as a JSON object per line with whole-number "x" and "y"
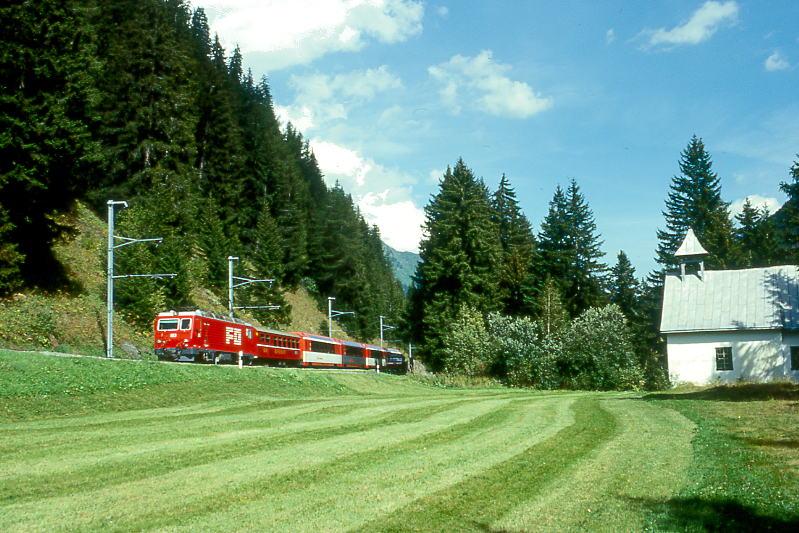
{"x": 310, "y": 479}
{"x": 131, "y": 464}
{"x": 123, "y": 503}
{"x": 474, "y": 504}
{"x": 649, "y": 456}
{"x": 352, "y": 493}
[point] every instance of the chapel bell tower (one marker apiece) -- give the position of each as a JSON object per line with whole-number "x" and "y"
{"x": 691, "y": 252}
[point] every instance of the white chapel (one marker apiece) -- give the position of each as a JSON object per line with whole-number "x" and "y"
{"x": 730, "y": 325}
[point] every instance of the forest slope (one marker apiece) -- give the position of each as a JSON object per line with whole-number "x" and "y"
{"x": 73, "y": 320}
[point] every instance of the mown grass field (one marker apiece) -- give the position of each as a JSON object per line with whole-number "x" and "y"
{"x": 122, "y": 445}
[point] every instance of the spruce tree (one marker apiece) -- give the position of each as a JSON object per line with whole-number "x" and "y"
{"x": 47, "y": 153}
{"x": 517, "y": 278}
{"x": 146, "y": 95}
{"x": 570, "y": 250}
{"x": 694, "y": 201}
{"x": 10, "y": 258}
{"x": 220, "y": 157}
{"x": 266, "y": 263}
{"x": 555, "y": 241}
{"x": 755, "y": 235}
{"x": 787, "y": 219}
{"x": 588, "y": 273}
{"x": 625, "y": 288}
{"x": 459, "y": 259}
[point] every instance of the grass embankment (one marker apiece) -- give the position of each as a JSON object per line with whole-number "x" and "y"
{"x": 122, "y": 445}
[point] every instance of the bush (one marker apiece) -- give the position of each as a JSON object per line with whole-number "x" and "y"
{"x": 598, "y": 353}
{"x": 522, "y": 355}
{"x": 466, "y": 349}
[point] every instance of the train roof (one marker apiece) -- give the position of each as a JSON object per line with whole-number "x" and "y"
{"x": 319, "y": 338}
{"x": 276, "y": 332}
{"x": 352, "y": 343}
{"x": 375, "y": 348}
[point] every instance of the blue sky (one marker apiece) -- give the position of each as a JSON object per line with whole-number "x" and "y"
{"x": 391, "y": 92}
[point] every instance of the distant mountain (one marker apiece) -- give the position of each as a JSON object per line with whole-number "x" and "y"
{"x": 403, "y": 263}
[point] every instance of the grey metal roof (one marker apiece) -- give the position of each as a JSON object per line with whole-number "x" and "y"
{"x": 352, "y": 343}
{"x": 690, "y": 246}
{"x": 755, "y": 298}
{"x": 319, "y": 338}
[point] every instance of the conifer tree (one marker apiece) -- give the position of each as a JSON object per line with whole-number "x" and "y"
{"x": 555, "y": 241}
{"x": 694, "y": 201}
{"x": 10, "y": 258}
{"x": 635, "y": 302}
{"x": 266, "y": 260}
{"x": 788, "y": 219}
{"x": 213, "y": 244}
{"x": 516, "y": 284}
{"x": 588, "y": 273}
{"x": 459, "y": 258}
{"x": 625, "y": 288}
{"x": 134, "y": 100}
{"x": 755, "y": 235}
{"x": 220, "y": 158}
{"x": 47, "y": 154}
{"x": 147, "y": 114}
{"x": 570, "y": 251}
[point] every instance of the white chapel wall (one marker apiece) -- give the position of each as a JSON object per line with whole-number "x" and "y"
{"x": 756, "y": 356}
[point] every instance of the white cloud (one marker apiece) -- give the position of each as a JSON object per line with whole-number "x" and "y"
{"x": 480, "y": 82}
{"x": 320, "y": 98}
{"x": 442, "y": 11}
{"x": 610, "y": 36}
{"x": 381, "y": 193}
{"x": 436, "y": 175}
{"x": 776, "y": 61}
{"x": 339, "y": 162}
{"x": 700, "y": 27}
{"x": 302, "y": 117}
{"x": 287, "y": 32}
{"x": 400, "y": 222}
{"x": 773, "y": 204}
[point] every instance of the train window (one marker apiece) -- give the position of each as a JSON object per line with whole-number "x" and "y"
{"x": 322, "y": 347}
{"x": 185, "y": 323}
{"x": 167, "y": 324}
{"x": 354, "y": 351}
{"x": 249, "y": 333}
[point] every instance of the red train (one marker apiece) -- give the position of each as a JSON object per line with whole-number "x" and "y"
{"x": 205, "y": 337}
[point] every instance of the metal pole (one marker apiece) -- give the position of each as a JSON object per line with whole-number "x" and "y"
{"x": 381, "y": 331}
{"x": 230, "y": 260}
{"x": 330, "y": 315}
{"x": 410, "y": 356}
{"x": 109, "y": 335}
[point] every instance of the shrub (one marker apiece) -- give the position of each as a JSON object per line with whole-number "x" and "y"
{"x": 466, "y": 349}
{"x": 598, "y": 354}
{"x": 522, "y": 355}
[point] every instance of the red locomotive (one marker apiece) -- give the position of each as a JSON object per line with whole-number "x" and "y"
{"x": 204, "y": 337}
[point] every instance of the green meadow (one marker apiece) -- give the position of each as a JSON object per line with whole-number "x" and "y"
{"x": 88, "y": 444}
